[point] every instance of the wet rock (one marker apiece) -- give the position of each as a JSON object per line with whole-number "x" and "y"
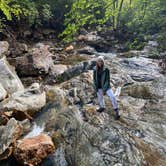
{"x": 26, "y": 102}
{"x": 31, "y": 151}
{"x": 36, "y": 62}
{"x": 8, "y": 78}
{"x": 26, "y": 126}
{"x": 4, "y": 46}
{"x": 9, "y": 134}
{"x": 129, "y": 54}
{"x": 3, "y": 93}
{"x": 140, "y": 65}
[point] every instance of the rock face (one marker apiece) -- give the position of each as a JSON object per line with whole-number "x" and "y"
{"x": 31, "y": 151}
{"x": 3, "y": 92}
{"x": 9, "y": 134}
{"x": 8, "y": 78}
{"x": 36, "y": 62}
{"x": 29, "y": 101}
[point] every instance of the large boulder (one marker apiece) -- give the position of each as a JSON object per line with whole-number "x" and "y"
{"x": 36, "y": 62}
{"x": 4, "y": 46}
{"x": 31, "y": 151}
{"x": 72, "y": 72}
{"x": 94, "y": 40}
{"x": 9, "y": 134}
{"x": 78, "y": 88}
{"x": 3, "y": 92}
{"x": 29, "y": 101}
{"x": 89, "y": 37}
{"x": 8, "y": 78}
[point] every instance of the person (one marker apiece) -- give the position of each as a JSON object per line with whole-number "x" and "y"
{"x": 101, "y": 81}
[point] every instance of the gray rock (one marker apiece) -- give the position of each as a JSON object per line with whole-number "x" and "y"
{"x": 9, "y": 134}
{"x": 4, "y": 46}
{"x": 18, "y": 50}
{"x": 36, "y": 62}
{"x": 86, "y": 50}
{"x": 8, "y": 78}
{"x": 142, "y": 77}
{"x": 58, "y": 159}
{"x": 72, "y": 72}
{"x": 3, "y": 93}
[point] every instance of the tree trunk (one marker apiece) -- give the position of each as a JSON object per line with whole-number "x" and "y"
{"x": 119, "y": 12}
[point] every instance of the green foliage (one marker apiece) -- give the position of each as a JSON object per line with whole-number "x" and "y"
{"x": 16, "y": 9}
{"x": 139, "y": 16}
{"x": 161, "y": 40}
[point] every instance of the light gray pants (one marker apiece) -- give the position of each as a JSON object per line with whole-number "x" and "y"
{"x": 110, "y": 95}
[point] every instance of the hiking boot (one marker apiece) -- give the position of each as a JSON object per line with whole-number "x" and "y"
{"x": 100, "y": 109}
{"x": 117, "y": 117}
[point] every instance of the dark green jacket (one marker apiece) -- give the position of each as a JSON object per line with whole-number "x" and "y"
{"x": 105, "y": 79}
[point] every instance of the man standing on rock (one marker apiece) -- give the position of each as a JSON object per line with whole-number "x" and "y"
{"x": 101, "y": 79}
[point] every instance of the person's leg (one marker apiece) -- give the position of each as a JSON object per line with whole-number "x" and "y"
{"x": 114, "y": 102}
{"x": 100, "y": 99}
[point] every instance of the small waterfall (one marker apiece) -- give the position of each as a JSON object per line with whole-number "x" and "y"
{"x": 118, "y": 91}
{"x": 35, "y": 131}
